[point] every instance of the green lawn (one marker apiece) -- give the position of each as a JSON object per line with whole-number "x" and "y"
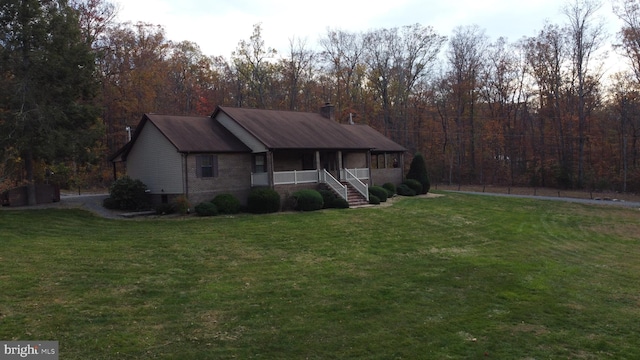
{"x": 454, "y": 277}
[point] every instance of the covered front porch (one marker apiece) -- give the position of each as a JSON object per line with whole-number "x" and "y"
{"x": 337, "y": 169}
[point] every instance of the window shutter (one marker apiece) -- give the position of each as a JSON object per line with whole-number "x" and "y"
{"x": 214, "y": 165}
{"x": 199, "y": 166}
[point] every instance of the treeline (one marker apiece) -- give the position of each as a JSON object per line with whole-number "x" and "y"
{"x": 538, "y": 111}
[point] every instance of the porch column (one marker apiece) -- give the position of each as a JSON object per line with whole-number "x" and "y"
{"x": 318, "y": 167}
{"x": 269, "y": 159}
{"x": 340, "y": 167}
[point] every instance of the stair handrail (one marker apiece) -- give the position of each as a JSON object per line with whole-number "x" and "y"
{"x": 353, "y": 180}
{"x": 333, "y": 183}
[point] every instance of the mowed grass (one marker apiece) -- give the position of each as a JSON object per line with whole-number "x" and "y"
{"x": 454, "y": 277}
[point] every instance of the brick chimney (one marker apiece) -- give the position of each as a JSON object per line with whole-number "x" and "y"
{"x": 328, "y": 111}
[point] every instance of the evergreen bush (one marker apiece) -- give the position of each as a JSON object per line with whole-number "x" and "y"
{"x": 206, "y": 209}
{"x": 328, "y": 198}
{"x": 263, "y": 201}
{"x": 379, "y": 192}
{"x": 413, "y": 184}
{"x": 374, "y": 200}
{"x": 405, "y": 190}
{"x": 128, "y": 194}
{"x": 339, "y": 203}
{"x": 227, "y": 204}
{"x": 418, "y": 171}
{"x": 391, "y": 189}
{"x": 307, "y": 200}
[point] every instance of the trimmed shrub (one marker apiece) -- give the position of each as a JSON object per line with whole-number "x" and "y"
{"x": 307, "y": 200}
{"x": 166, "y": 209}
{"x": 414, "y": 185}
{"x": 374, "y": 200}
{"x": 391, "y": 189}
{"x": 128, "y": 194}
{"x": 418, "y": 171}
{"x": 328, "y": 198}
{"x": 110, "y": 203}
{"x": 339, "y": 203}
{"x": 263, "y": 201}
{"x": 405, "y": 190}
{"x": 227, "y": 204}
{"x": 206, "y": 209}
{"x": 379, "y": 192}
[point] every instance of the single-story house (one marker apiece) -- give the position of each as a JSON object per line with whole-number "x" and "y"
{"x": 237, "y": 149}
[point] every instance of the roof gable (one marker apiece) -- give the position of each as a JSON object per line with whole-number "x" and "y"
{"x": 196, "y": 134}
{"x": 188, "y": 134}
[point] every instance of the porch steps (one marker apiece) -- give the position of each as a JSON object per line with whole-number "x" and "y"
{"x": 354, "y": 198}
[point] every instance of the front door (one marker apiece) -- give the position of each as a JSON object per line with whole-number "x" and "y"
{"x": 329, "y": 162}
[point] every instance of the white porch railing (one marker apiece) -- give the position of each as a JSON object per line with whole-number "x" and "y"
{"x": 328, "y": 179}
{"x": 295, "y": 177}
{"x": 354, "y": 181}
{"x": 359, "y": 173}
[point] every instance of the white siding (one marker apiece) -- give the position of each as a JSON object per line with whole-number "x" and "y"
{"x": 156, "y": 162}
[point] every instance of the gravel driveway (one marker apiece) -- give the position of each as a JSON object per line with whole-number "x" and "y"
{"x": 91, "y": 202}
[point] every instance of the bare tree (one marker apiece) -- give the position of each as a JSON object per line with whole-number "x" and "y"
{"x": 298, "y": 69}
{"x": 343, "y": 53}
{"x": 546, "y": 56}
{"x": 585, "y": 37}
{"x": 251, "y": 60}
{"x": 629, "y": 12}
{"x": 465, "y": 58}
{"x": 398, "y": 60}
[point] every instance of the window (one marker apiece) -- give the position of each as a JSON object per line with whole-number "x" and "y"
{"x": 206, "y": 166}
{"x": 259, "y": 163}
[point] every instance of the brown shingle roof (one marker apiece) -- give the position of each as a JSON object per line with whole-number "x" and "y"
{"x": 196, "y": 134}
{"x": 293, "y": 130}
{"x": 372, "y": 139}
{"x": 187, "y": 134}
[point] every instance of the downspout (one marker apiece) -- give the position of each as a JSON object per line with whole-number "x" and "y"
{"x": 369, "y": 167}
{"x": 186, "y": 174}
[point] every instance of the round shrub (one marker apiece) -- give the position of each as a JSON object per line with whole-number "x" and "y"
{"x": 339, "y": 203}
{"x": 307, "y": 200}
{"x": 328, "y": 198}
{"x": 227, "y": 204}
{"x": 206, "y": 209}
{"x": 404, "y": 190}
{"x": 263, "y": 201}
{"x": 379, "y": 192}
{"x": 374, "y": 200}
{"x": 391, "y": 189}
{"x": 414, "y": 185}
{"x": 110, "y": 203}
{"x": 129, "y": 194}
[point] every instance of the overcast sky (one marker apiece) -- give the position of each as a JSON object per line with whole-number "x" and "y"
{"x": 217, "y": 26}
